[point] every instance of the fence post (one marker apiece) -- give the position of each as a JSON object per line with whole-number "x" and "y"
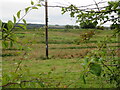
{"x": 46, "y": 26}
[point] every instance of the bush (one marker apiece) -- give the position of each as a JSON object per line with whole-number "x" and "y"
{"x": 68, "y": 27}
{"x": 85, "y": 37}
{"x": 88, "y": 24}
{"x": 113, "y": 26}
{"x": 100, "y": 27}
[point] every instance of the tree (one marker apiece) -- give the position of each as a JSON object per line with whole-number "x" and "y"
{"x": 100, "y": 27}
{"x": 97, "y": 60}
{"x": 95, "y": 15}
{"x": 113, "y": 26}
{"x": 76, "y": 27}
{"x": 68, "y": 27}
{"x": 88, "y": 24}
{"x": 4, "y": 25}
{"x": 9, "y": 38}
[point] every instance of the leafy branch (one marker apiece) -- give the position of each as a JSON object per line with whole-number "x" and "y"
{"x": 24, "y": 81}
{"x": 8, "y": 34}
{"x": 94, "y": 62}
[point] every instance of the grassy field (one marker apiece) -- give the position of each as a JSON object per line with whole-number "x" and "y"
{"x": 63, "y": 68}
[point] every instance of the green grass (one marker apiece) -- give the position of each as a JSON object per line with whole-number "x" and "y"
{"x": 64, "y": 71}
{"x": 64, "y": 68}
{"x": 0, "y": 35}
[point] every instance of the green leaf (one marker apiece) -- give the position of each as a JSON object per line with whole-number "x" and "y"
{"x": 72, "y": 14}
{"x": 86, "y": 62}
{"x": 41, "y": 84}
{"x": 34, "y": 8}
{"x": 0, "y": 23}
{"x": 18, "y": 13}
{"x": 18, "y": 46}
{"x": 63, "y": 10}
{"x": 101, "y": 59}
{"x": 22, "y": 26}
{"x": 14, "y": 18}
{"x": 27, "y": 48}
{"x": 115, "y": 6}
{"x": 24, "y": 21}
{"x": 11, "y": 43}
{"x": 5, "y": 44}
{"x": 32, "y": 3}
{"x": 95, "y": 69}
{"x": 94, "y": 59}
{"x": 84, "y": 79}
{"x": 39, "y": 5}
{"x": 26, "y": 9}
{"x": 10, "y": 25}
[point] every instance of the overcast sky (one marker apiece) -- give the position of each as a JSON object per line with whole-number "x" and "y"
{"x": 8, "y": 8}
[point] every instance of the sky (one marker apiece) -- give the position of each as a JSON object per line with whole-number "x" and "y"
{"x": 8, "y": 8}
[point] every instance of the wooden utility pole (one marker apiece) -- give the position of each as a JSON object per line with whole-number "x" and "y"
{"x": 46, "y": 27}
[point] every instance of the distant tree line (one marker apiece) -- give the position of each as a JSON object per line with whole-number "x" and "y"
{"x": 90, "y": 25}
{"x": 72, "y": 27}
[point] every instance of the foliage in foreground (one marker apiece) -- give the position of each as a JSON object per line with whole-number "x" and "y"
{"x": 97, "y": 60}
{"x": 44, "y": 66}
{"x": 9, "y": 37}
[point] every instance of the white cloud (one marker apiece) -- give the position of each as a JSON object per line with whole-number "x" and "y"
{"x": 8, "y": 8}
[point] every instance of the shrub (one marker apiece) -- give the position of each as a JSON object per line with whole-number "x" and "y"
{"x": 100, "y": 27}
{"x": 87, "y": 36}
